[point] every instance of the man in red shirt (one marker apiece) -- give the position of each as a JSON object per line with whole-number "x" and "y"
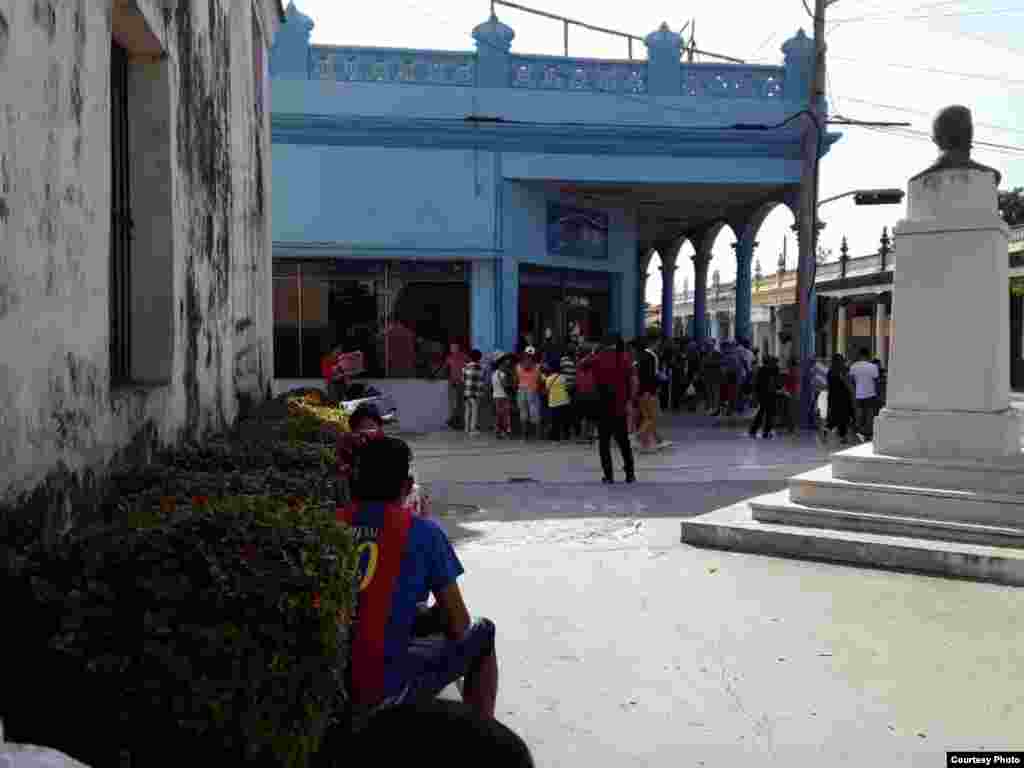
{"x": 455, "y": 363}
{"x": 613, "y": 373}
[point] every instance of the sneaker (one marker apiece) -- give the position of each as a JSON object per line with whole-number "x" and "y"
{"x": 500, "y": 435}
{"x": 665, "y": 444}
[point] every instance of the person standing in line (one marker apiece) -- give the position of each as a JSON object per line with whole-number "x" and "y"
{"x": 455, "y": 364}
{"x": 789, "y": 397}
{"x": 501, "y": 390}
{"x": 865, "y": 375}
{"x": 840, "y": 402}
{"x": 473, "y": 381}
{"x": 559, "y": 403}
{"x": 647, "y": 395}
{"x": 586, "y": 402}
{"x": 767, "y": 390}
{"x": 528, "y": 394}
{"x": 613, "y": 374}
{"x": 567, "y": 365}
{"x": 712, "y": 374}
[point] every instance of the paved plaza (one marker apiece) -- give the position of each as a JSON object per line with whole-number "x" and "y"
{"x": 621, "y": 646}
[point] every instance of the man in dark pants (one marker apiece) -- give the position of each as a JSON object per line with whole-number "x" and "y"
{"x": 613, "y": 376}
{"x": 767, "y": 388}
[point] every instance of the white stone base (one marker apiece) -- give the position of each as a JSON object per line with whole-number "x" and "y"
{"x": 948, "y": 434}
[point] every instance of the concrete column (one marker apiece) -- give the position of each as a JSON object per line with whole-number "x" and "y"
{"x": 668, "y": 297}
{"x": 289, "y": 56}
{"x": 799, "y": 54}
{"x": 493, "y": 47}
{"x": 483, "y": 305}
{"x": 881, "y": 337}
{"x": 509, "y": 303}
{"x": 700, "y": 295}
{"x": 664, "y": 70}
{"x": 744, "y": 259}
{"x": 842, "y": 328}
{"x": 640, "y": 312}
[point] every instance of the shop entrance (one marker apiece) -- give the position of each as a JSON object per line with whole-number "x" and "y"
{"x": 571, "y": 304}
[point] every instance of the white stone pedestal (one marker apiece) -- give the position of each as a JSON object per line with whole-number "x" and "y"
{"x": 949, "y": 380}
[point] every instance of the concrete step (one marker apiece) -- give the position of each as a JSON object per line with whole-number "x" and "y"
{"x": 784, "y": 511}
{"x": 861, "y": 464}
{"x": 734, "y": 528}
{"x": 820, "y": 488}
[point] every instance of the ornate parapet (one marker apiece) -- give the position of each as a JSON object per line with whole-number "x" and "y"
{"x": 393, "y": 65}
{"x": 733, "y": 81}
{"x": 557, "y": 73}
{"x": 493, "y": 65}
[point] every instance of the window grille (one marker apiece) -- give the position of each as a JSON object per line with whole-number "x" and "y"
{"x": 120, "y": 218}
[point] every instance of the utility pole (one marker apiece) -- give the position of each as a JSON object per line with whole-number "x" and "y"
{"x": 808, "y": 224}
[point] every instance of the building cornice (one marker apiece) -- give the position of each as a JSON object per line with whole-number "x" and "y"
{"x": 351, "y": 130}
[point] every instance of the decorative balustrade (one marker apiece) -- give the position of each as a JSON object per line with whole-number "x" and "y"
{"x": 393, "y": 65}
{"x": 545, "y": 73}
{"x": 864, "y": 265}
{"x": 828, "y": 271}
{"x": 552, "y": 73}
{"x": 733, "y": 81}
{"x": 1017, "y": 234}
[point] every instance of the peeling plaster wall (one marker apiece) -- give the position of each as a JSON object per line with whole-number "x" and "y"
{"x": 59, "y": 415}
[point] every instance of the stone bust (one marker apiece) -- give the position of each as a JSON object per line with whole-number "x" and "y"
{"x": 953, "y": 134}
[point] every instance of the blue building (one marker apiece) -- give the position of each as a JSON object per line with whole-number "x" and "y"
{"x": 425, "y": 196}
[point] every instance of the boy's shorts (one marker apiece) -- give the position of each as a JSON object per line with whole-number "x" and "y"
{"x": 435, "y": 662}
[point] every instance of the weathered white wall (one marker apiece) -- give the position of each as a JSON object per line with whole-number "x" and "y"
{"x": 201, "y": 256}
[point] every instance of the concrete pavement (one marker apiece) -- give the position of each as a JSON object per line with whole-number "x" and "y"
{"x": 620, "y": 646}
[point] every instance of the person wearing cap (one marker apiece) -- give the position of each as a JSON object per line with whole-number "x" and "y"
{"x": 528, "y": 396}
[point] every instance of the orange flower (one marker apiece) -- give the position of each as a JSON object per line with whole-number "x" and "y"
{"x": 200, "y": 501}
{"x": 168, "y": 505}
{"x": 316, "y": 601}
{"x": 296, "y": 503}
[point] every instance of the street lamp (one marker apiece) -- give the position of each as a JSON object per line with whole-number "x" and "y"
{"x": 869, "y": 197}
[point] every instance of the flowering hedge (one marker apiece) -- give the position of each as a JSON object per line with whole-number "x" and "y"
{"x": 218, "y": 636}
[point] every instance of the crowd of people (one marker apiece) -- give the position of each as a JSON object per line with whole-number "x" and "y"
{"x": 550, "y": 392}
{"x": 407, "y": 649}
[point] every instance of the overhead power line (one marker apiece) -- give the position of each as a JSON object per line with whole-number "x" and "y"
{"x": 921, "y": 136}
{"x": 923, "y": 113}
{"x": 928, "y": 16}
{"x": 934, "y": 71}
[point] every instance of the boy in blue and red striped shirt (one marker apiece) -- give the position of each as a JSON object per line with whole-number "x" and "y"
{"x": 399, "y": 655}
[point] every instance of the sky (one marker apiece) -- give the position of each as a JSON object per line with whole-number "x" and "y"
{"x": 900, "y": 60}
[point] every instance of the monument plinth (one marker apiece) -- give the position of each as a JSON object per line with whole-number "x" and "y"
{"x": 942, "y": 487}
{"x": 948, "y": 392}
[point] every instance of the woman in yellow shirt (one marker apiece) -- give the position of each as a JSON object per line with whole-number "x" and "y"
{"x": 558, "y": 403}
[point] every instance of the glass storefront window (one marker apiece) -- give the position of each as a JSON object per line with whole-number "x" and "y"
{"x": 400, "y": 315}
{"x": 571, "y": 304}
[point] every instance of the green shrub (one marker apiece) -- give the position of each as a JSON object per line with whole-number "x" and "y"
{"x": 224, "y": 629}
